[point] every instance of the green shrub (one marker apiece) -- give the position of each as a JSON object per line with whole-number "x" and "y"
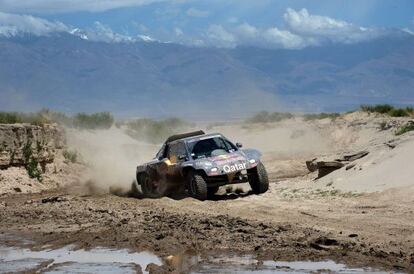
{"x": 269, "y": 117}
{"x": 31, "y": 164}
{"x": 99, "y": 120}
{"x": 71, "y": 155}
{"x": 382, "y": 108}
{"x": 319, "y": 116}
{"x": 406, "y": 128}
{"x": 155, "y": 131}
{"x": 398, "y": 112}
{"x": 10, "y": 118}
{"x": 57, "y": 117}
{"x": 388, "y": 109}
{"x": 18, "y": 117}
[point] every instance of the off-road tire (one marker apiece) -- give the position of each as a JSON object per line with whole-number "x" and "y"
{"x": 147, "y": 186}
{"x": 259, "y": 181}
{"x": 197, "y": 186}
{"x": 212, "y": 190}
{"x": 135, "y": 192}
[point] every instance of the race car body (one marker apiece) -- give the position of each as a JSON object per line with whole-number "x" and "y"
{"x": 200, "y": 163}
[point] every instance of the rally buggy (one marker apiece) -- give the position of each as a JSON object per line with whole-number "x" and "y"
{"x": 200, "y": 163}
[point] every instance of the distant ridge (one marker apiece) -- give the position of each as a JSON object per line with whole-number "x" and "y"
{"x": 70, "y": 73}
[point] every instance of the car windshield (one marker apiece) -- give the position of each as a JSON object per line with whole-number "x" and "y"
{"x": 210, "y": 147}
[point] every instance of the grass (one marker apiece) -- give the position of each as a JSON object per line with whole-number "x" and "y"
{"x": 269, "y": 117}
{"x": 389, "y": 110}
{"x": 404, "y": 129}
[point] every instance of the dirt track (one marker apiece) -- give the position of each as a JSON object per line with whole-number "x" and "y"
{"x": 299, "y": 218}
{"x": 369, "y": 229}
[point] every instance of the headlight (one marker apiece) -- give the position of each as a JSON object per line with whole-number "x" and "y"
{"x": 214, "y": 169}
{"x": 252, "y": 161}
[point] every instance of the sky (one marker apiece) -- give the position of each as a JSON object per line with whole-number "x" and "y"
{"x": 212, "y": 23}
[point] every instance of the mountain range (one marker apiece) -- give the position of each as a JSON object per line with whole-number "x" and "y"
{"x": 148, "y": 78}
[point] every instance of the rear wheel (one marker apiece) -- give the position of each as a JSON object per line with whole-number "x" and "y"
{"x": 259, "y": 181}
{"x": 197, "y": 185}
{"x": 149, "y": 189}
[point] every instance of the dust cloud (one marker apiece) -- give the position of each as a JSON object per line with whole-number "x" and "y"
{"x": 290, "y": 138}
{"x": 111, "y": 156}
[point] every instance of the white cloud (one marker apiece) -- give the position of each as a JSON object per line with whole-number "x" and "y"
{"x": 140, "y": 27}
{"x": 193, "y": 12}
{"x": 247, "y": 32}
{"x": 178, "y": 31}
{"x": 218, "y": 36}
{"x": 11, "y": 24}
{"x": 103, "y": 33}
{"x": 248, "y": 35}
{"x": 407, "y": 30}
{"x": 53, "y": 6}
{"x": 303, "y": 30}
{"x": 326, "y": 28}
{"x": 275, "y": 37}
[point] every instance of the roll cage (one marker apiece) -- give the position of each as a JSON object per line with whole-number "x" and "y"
{"x": 164, "y": 150}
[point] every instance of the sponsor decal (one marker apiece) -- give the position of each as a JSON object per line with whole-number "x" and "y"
{"x": 227, "y": 159}
{"x": 234, "y": 168}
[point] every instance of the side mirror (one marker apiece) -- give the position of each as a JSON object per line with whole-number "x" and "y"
{"x": 182, "y": 157}
{"x": 239, "y": 145}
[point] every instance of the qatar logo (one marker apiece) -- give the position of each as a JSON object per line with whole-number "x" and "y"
{"x": 234, "y": 168}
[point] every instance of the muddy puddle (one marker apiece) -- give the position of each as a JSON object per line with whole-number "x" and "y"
{"x": 68, "y": 260}
{"x": 100, "y": 260}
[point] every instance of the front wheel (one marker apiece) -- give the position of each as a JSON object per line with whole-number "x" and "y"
{"x": 149, "y": 189}
{"x": 197, "y": 186}
{"x": 259, "y": 181}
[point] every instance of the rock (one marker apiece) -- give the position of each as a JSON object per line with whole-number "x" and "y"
{"x": 156, "y": 269}
{"x": 56, "y": 199}
{"x": 324, "y": 168}
{"x": 348, "y": 167}
{"x": 356, "y": 156}
{"x": 327, "y": 166}
{"x": 312, "y": 165}
{"x": 138, "y": 269}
